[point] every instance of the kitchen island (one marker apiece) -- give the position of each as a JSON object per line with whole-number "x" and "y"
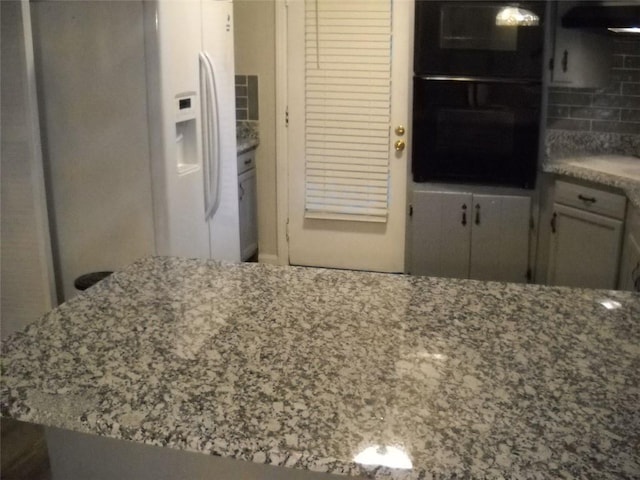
{"x": 335, "y": 371}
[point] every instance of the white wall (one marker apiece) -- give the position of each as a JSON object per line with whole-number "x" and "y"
{"x": 26, "y": 273}
{"x": 254, "y": 25}
{"x": 91, "y": 79}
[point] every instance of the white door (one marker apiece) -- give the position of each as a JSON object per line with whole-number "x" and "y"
{"x": 346, "y": 100}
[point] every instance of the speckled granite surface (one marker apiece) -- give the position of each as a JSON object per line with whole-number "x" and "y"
{"x": 306, "y": 368}
{"x": 247, "y": 135}
{"x": 564, "y": 143}
{"x": 569, "y": 154}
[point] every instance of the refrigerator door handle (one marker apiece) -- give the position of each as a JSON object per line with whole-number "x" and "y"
{"x": 204, "y": 119}
{"x": 211, "y": 125}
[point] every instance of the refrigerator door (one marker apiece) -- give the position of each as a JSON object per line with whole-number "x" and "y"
{"x": 217, "y": 44}
{"x": 173, "y": 41}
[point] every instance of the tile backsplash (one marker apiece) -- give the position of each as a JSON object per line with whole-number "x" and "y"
{"x": 612, "y": 109}
{"x": 247, "y": 97}
{"x": 599, "y": 121}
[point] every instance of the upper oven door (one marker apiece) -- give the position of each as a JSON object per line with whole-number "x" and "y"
{"x": 464, "y": 38}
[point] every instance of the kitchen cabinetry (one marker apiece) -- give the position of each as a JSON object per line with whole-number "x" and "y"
{"x": 586, "y": 232}
{"x": 467, "y": 235}
{"x": 630, "y": 263}
{"x": 247, "y": 203}
{"x": 581, "y": 57}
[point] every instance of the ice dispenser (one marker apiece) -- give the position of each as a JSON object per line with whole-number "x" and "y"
{"x": 186, "y": 138}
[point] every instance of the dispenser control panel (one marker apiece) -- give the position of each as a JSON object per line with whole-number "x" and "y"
{"x": 185, "y": 104}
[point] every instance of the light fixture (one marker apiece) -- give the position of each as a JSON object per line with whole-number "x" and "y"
{"x": 514, "y": 16}
{"x": 625, "y": 30}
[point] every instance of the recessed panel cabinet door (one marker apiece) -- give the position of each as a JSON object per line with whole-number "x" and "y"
{"x": 441, "y": 234}
{"x": 247, "y": 199}
{"x": 585, "y": 249}
{"x": 630, "y": 266}
{"x": 581, "y": 58}
{"x": 500, "y": 238}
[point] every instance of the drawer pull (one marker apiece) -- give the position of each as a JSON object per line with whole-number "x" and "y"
{"x": 464, "y": 214}
{"x": 247, "y": 161}
{"x": 587, "y": 199}
{"x": 477, "y": 214}
{"x": 553, "y": 222}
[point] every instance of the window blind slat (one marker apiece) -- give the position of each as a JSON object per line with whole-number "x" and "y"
{"x": 346, "y": 120}
{"x": 347, "y": 108}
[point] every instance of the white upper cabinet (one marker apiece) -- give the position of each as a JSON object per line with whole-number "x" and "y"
{"x": 581, "y": 58}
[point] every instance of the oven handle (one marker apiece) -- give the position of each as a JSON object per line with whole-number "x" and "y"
{"x": 446, "y": 78}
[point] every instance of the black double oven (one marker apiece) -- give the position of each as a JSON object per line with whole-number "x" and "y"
{"x": 477, "y": 92}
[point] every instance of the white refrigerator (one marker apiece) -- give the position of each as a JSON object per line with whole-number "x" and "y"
{"x": 191, "y": 106}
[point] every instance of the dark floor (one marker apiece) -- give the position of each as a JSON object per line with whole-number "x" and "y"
{"x": 23, "y": 452}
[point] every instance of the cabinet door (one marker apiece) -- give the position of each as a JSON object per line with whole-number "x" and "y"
{"x": 248, "y": 216}
{"x": 500, "y": 238}
{"x": 584, "y": 249}
{"x": 630, "y": 265}
{"x": 581, "y": 58}
{"x": 440, "y": 234}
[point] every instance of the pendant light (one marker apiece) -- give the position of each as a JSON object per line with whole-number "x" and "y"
{"x": 514, "y": 16}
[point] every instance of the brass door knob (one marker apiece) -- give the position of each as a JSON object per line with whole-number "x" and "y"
{"x": 399, "y": 145}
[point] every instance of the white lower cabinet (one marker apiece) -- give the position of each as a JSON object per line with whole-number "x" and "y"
{"x": 466, "y": 235}
{"x": 586, "y": 232}
{"x": 630, "y": 263}
{"x": 247, "y": 202}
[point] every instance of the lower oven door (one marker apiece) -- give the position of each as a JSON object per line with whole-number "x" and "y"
{"x": 475, "y": 131}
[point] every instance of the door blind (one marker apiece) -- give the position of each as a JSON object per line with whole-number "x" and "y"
{"x": 347, "y": 108}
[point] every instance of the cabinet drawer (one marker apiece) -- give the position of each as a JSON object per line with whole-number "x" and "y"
{"x": 590, "y": 199}
{"x": 246, "y": 161}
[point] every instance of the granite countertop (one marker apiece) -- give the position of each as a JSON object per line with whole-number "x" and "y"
{"x": 247, "y": 135}
{"x": 618, "y": 171}
{"x": 307, "y": 368}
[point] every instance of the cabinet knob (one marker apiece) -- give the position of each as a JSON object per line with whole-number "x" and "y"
{"x": 400, "y": 130}
{"x": 399, "y": 145}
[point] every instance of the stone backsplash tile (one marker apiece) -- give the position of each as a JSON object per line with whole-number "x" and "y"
{"x": 631, "y": 89}
{"x": 615, "y": 127}
{"x": 595, "y": 113}
{"x": 569, "y": 98}
{"x": 568, "y": 124}
{"x": 630, "y": 115}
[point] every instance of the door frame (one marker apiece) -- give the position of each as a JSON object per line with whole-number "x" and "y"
{"x": 282, "y": 154}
